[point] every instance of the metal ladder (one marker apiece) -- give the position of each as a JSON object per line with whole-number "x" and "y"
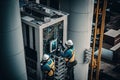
{"x": 61, "y": 69}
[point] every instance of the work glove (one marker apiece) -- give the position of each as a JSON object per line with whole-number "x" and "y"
{"x": 60, "y": 42}
{"x": 41, "y": 64}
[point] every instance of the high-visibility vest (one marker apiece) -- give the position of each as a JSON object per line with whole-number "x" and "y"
{"x": 52, "y": 66}
{"x": 72, "y": 58}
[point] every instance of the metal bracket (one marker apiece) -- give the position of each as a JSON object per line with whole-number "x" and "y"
{"x": 87, "y": 55}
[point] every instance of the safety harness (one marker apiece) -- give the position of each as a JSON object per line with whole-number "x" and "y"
{"x": 72, "y": 58}
{"x": 52, "y": 68}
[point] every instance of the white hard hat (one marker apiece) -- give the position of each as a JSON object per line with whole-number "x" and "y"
{"x": 69, "y": 43}
{"x": 45, "y": 57}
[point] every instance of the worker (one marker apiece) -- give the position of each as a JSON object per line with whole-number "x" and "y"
{"x": 48, "y": 67}
{"x": 69, "y": 55}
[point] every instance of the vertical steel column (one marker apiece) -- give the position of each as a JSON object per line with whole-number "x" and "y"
{"x": 94, "y": 41}
{"x": 12, "y": 59}
{"x": 101, "y": 39}
{"x": 79, "y": 30}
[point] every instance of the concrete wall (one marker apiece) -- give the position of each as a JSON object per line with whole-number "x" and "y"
{"x": 12, "y": 60}
{"x": 79, "y": 30}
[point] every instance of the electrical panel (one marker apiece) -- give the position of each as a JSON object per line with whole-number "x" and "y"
{"x": 43, "y": 28}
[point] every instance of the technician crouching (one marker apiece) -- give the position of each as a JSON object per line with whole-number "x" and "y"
{"x": 48, "y": 67}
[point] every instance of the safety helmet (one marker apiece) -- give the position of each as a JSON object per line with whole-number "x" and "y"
{"x": 69, "y": 43}
{"x": 45, "y": 57}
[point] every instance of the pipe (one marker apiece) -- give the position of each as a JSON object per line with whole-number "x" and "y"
{"x": 79, "y": 30}
{"x": 12, "y": 59}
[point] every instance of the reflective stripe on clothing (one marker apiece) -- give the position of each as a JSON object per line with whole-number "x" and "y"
{"x": 72, "y": 58}
{"x": 52, "y": 67}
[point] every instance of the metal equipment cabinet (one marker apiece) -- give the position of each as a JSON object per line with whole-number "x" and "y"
{"x": 40, "y": 25}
